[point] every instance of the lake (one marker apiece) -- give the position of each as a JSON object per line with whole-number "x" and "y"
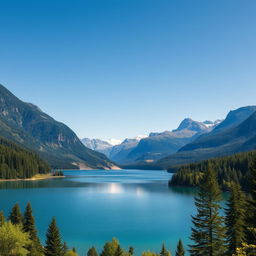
{"x": 91, "y": 207}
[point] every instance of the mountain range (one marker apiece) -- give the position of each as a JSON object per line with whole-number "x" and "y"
{"x": 153, "y": 147}
{"x": 237, "y": 133}
{"x": 28, "y": 126}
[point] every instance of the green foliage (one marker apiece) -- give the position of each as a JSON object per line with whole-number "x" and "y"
{"x": 16, "y": 215}
{"x": 148, "y": 253}
{"x": 35, "y": 248}
{"x": 164, "y": 251}
{"x": 54, "y": 246}
{"x": 235, "y": 219}
{"x": 110, "y": 248}
{"x": 251, "y": 210}
{"x": 208, "y": 226}
{"x": 119, "y": 251}
{"x": 18, "y": 163}
{"x": 13, "y": 240}
{"x": 235, "y": 168}
{"x": 71, "y": 253}
{"x": 92, "y": 252}
{"x": 180, "y": 249}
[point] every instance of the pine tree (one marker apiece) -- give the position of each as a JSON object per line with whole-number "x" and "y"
{"x": 164, "y": 251}
{"x": 35, "y": 248}
{"x": 29, "y": 222}
{"x": 180, "y": 249}
{"x": 16, "y": 216}
{"x": 251, "y": 210}
{"x": 54, "y": 246}
{"x": 92, "y": 252}
{"x": 235, "y": 218}
{"x": 208, "y": 229}
{"x": 2, "y": 218}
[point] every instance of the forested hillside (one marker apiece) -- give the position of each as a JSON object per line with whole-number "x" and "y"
{"x": 18, "y": 163}
{"x": 232, "y": 168}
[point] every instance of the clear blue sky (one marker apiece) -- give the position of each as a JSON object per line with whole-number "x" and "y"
{"x": 118, "y": 68}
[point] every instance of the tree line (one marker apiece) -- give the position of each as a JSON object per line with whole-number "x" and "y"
{"x": 235, "y": 168}
{"x": 19, "y": 163}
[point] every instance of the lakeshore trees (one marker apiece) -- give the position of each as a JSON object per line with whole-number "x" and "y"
{"x": 208, "y": 231}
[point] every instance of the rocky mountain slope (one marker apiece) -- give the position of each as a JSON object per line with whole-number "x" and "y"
{"x": 25, "y": 124}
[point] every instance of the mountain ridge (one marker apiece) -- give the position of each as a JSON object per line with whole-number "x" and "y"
{"x": 26, "y": 124}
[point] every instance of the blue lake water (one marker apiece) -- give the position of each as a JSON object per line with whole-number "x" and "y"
{"x": 91, "y": 207}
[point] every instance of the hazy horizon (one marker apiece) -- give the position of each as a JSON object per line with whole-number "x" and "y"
{"x": 117, "y": 69}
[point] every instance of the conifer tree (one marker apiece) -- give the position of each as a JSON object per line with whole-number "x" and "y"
{"x": 180, "y": 249}
{"x": 164, "y": 251}
{"x": 16, "y": 216}
{"x": 208, "y": 226}
{"x": 92, "y": 252}
{"x": 110, "y": 248}
{"x": 2, "y": 218}
{"x": 235, "y": 219}
{"x": 35, "y": 248}
{"x": 54, "y": 246}
{"x": 251, "y": 210}
{"x": 29, "y": 222}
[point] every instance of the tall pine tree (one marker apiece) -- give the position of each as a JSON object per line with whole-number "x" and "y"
{"x": 16, "y": 216}
{"x": 235, "y": 218}
{"x": 208, "y": 229}
{"x": 180, "y": 249}
{"x": 54, "y": 246}
{"x": 35, "y": 248}
{"x": 92, "y": 252}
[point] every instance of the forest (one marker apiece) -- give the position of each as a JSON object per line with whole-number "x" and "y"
{"x": 235, "y": 168}
{"x": 19, "y": 163}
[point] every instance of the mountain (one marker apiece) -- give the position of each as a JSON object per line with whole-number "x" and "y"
{"x": 158, "y": 145}
{"x": 119, "y": 153}
{"x": 98, "y": 145}
{"x": 237, "y": 133}
{"x": 27, "y": 125}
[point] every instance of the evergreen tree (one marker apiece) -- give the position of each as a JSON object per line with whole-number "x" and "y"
{"x": 35, "y": 248}
{"x": 180, "y": 249}
{"x": 110, "y": 248}
{"x": 16, "y": 216}
{"x": 131, "y": 250}
{"x": 251, "y": 210}
{"x": 54, "y": 246}
{"x": 235, "y": 219}
{"x": 92, "y": 252}
{"x": 29, "y": 222}
{"x": 2, "y": 218}
{"x": 208, "y": 230}
{"x": 164, "y": 251}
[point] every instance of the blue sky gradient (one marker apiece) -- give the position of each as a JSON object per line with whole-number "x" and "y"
{"x": 119, "y": 68}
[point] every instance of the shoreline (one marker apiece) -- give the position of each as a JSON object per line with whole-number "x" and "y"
{"x": 36, "y": 177}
